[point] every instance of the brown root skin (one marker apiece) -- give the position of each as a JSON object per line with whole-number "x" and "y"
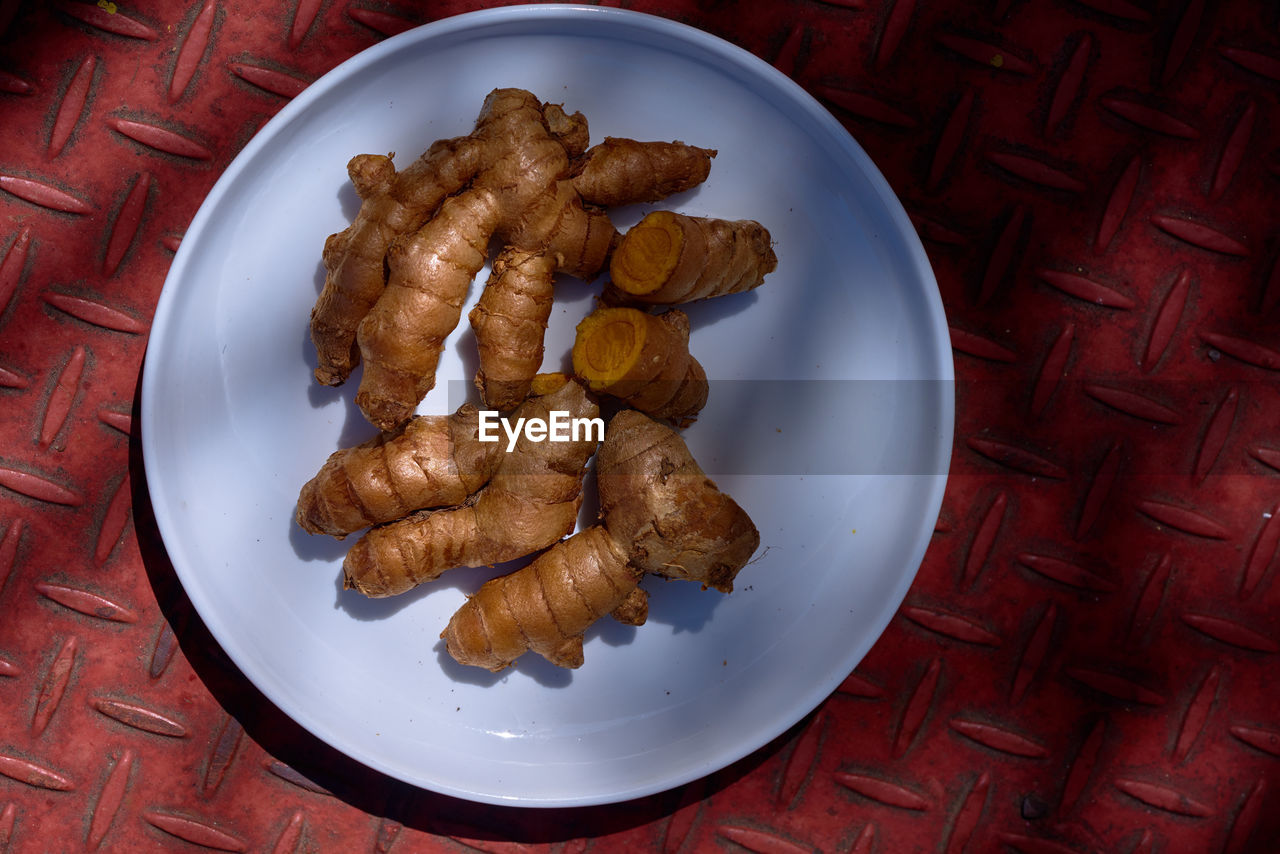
{"x": 661, "y": 514}
{"x": 660, "y": 506}
{"x": 572, "y": 131}
{"x": 371, "y": 174}
{"x": 621, "y": 171}
{"x": 547, "y": 605}
{"x": 509, "y": 321}
{"x": 531, "y": 502}
{"x": 392, "y": 204}
{"x": 582, "y": 251}
{"x": 430, "y": 272}
{"x": 634, "y": 610}
{"x": 626, "y": 172}
{"x": 524, "y": 154}
{"x": 643, "y": 360}
{"x": 433, "y": 461}
{"x": 519, "y": 194}
{"x": 669, "y": 258}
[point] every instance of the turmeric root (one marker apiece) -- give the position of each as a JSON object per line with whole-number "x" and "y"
{"x": 671, "y": 519}
{"x": 669, "y": 258}
{"x": 433, "y": 461}
{"x": 403, "y": 334}
{"x": 643, "y": 360}
{"x": 391, "y": 204}
{"x": 624, "y": 172}
{"x": 433, "y": 491}
{"x": 510, "y": 181}
{"x": 531, "y": 502}
{"x": 660, "y": 514}
{"x": 510, "y": 321}
{"x": 546, "y": 606}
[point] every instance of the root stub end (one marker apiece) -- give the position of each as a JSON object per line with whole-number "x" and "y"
{"x": 326, "y": 376}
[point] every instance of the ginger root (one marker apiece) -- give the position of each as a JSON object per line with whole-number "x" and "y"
{"x": 433, "y": 461}
{"x": 670, "y": 258}
{"x": 531, "y": 502}
{"x": 512, "y": 179}
{"x": 671, "y": 519}
{"x": 643, "y": 360}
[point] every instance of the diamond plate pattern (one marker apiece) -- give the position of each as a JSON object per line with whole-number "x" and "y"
{"x": 1087, "y": 660}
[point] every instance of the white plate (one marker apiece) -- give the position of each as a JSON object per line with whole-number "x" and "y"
{"x": 830, "y": 420}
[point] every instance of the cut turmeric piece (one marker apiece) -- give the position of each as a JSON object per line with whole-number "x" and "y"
{"x": 643, "y": 360}
{"x": 433, "y": 461}
{"x": 670, "y": 258}
{"x": 548, "y": 383}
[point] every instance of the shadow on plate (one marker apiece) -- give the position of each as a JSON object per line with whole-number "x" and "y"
{"x": 682, "y": 605}
{"x": 528, "y": 666}
{"x": 316, "y": 547}
{"x": 369, "y": 609}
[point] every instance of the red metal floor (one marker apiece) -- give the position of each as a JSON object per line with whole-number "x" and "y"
{"x": 1088, "y": 660}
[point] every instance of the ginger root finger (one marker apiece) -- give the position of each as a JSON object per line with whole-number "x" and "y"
{"x": 433, "y": 461}
{"x": 660, "y": 506}
{"x": 669, "y": 258}
{"x": 531, "y": 502}
{"x": 621, "y": 171}
{"x": 430, "y": 272}
{"x": 392, "y": 204}
{"x": 510, "y": 321}
{"x": 545, "y": 606}
{"x": 397, "y": 557}
{"x": 643, "y": 360}
{"x": 556, "y": 221}
{"x": 530, "y": 147}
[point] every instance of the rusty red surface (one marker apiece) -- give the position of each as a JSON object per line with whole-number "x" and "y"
{"x": 1088, "y": 659}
